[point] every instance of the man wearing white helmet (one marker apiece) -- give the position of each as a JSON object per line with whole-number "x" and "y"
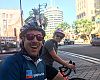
{"x": 50, "y": 50}
{"x": 26, "y": 63}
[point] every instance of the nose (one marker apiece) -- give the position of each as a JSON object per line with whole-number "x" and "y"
{"x": 35, "y": 39}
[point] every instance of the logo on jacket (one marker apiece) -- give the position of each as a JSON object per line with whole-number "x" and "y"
{"x": 29, "y": 74}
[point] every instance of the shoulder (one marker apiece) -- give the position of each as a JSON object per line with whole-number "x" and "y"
{"x": 13, "y": 57}
{"x": 10, "y": 67}
{"x": 11, "y": 60}
{"x": 48, "y": 42}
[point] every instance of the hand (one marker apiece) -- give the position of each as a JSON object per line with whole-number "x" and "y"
{"x": 71, "y": 66}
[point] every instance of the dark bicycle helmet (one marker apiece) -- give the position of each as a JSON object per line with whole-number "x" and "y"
{"x": 31, "y": 24}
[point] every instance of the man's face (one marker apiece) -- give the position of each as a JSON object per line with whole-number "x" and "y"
{"x": 58, "y": 37}
{"x": 33, "y": 42}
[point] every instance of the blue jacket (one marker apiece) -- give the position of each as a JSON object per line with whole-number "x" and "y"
{"x": 21, "y": 67}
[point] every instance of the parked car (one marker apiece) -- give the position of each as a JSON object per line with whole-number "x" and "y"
{"x": 95, "y": 41}
{"x": 3, "y": 46}
{"x": 61, "y": 42}
{"x": 68, "y": 41}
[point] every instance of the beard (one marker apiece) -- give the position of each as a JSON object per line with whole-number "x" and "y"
{"x": 33, "y": 48}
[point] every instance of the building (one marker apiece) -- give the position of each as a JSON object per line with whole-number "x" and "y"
{"x": 54, "y": 17}
{"x": 97, "y": 18}
{"x": 89, "y": 9}
{"x": 85, "y": 9}
{"x": 10, "y": 24}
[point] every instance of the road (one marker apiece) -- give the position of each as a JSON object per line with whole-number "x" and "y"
{"x": 87, "y": 50}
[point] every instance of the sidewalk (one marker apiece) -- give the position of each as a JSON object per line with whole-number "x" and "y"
{"x": 84, "y": 69}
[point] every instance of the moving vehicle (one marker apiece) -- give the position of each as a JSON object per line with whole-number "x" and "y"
{"x": 68, "y": 41}
{"x": 95, "y": 41}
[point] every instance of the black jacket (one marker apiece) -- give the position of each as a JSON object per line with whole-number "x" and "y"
{"x": 21, "y": 67}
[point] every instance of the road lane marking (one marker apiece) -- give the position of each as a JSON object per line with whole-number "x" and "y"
{"x": 68, "y": 46}
{"x": 90, "y": 59}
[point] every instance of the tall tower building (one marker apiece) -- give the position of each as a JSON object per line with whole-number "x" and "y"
{"x": 54, "y": 17}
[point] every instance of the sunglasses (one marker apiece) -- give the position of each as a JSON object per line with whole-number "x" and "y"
{"x": 61, "y": 37}
{"x": 32, "y": 36}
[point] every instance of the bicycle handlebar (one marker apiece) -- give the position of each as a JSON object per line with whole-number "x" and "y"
{"x": 65, "y": 71}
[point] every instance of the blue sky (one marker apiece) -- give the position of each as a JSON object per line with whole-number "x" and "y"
{"x": 67, "y": 6}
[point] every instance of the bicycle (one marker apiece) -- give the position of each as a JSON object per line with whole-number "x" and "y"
{"x": 66, "y": 72}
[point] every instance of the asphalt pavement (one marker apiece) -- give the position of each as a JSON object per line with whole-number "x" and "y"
{"x": 84, "y": 68}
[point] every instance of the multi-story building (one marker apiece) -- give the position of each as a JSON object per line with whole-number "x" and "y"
{"x": 97, "y": 17}
{"x": 54, "y": 17}
{"x": 89, "y": 9}
{"x": 10, "y": 23}
{"x": 85, "y": 9}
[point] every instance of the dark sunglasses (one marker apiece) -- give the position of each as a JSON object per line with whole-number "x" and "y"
{"x": 61, "y": 37}
{"x": 32, "y": 36}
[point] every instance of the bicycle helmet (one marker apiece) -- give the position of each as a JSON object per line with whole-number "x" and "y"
{"x": 31, "y": 24}
{"x": 59, "y": 31}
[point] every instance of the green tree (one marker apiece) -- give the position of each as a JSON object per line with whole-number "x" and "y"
{"x": 43, "y": 21}
{"x": 63, "y": 26}
{"x": 77, "y": 26}
{"x": 35, "y": 11}
{"x": 84, "y": 27}
{"x": 41, "y": 16}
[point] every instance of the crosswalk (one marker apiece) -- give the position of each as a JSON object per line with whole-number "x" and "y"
{"x": 75, "y": 45}
{"x": 87, "y": 58}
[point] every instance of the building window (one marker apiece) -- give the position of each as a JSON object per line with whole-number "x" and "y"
{"x": 11, "y": 15}
{"x": 5, "y": 23}
{"x": 91, "y": 11}
{"x": 93, "y": 18}
{"x": 6, "y": 15}
{"x": 3, "y": 15}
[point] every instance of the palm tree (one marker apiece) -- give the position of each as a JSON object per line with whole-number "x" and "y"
{"x": 35, "y": 12}
{"x": 43, "y": 21}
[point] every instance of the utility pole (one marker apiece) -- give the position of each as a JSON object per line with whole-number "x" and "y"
{"x": 21, "y": 11}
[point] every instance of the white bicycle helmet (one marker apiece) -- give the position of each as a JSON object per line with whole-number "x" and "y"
{"x": 59, "y": 31}
{"x": 31, "y": 25}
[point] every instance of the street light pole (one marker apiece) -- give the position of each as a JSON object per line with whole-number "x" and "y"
{"x": 39, "y": 16}
{"x": 21, "y": 13}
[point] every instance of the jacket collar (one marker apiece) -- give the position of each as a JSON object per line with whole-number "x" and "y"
{"x": 26, "y": 56}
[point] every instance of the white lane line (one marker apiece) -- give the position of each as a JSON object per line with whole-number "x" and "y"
{"x": 91, "y": 59}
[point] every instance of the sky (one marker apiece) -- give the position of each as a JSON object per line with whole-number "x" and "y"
{"x": 67, "y": 6}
